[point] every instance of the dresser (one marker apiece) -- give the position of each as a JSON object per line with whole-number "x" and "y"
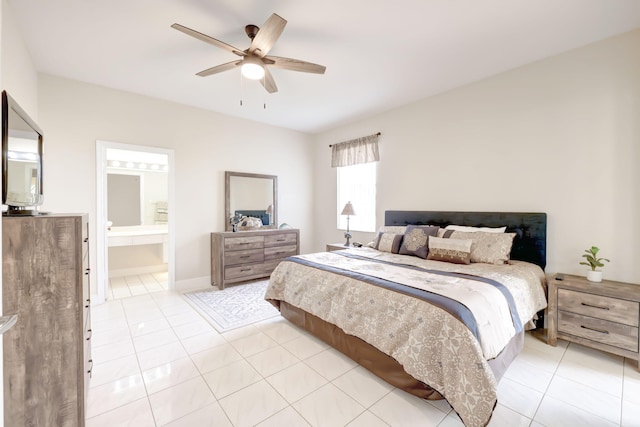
{"x": 47, "y": 354}
{"x": 601, "y": 315}
{"x": 246, "y": 255}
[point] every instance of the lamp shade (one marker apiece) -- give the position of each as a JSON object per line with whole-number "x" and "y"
{"x": 348, "y": 209}
{"x": 270, "y": 209}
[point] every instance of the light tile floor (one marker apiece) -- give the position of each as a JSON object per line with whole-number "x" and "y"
{"x": 157, "y": 363}
{"x": 137, "y": 284}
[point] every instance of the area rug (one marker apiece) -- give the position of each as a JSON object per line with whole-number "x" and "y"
{"x": 233, "y": 307}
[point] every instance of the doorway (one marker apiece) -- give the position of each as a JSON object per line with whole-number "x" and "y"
{"x": 135, "y": 220}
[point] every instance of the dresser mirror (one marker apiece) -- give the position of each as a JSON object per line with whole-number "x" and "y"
{"x": 252, "y": 195}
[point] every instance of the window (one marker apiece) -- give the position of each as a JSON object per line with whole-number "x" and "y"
{"x": 357, "y": 184}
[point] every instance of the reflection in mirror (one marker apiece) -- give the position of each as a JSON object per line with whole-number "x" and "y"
{"x": 23, "y": 160}
{"x": 252, "y": 195}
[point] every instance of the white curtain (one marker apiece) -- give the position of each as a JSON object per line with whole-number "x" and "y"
{"x": 355, "y": 152}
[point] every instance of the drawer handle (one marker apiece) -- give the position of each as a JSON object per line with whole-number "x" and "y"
{"x": 595, "y": 330}
{"x": 244, "y": 269}
{"x": 280, "y": 240}
{"x": 281, "y": 252}
{"x": 595, "y": 306}
{"x": 245, "y": 256}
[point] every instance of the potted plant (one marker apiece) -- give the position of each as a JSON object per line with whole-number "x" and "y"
{"x": 594, "y": 262}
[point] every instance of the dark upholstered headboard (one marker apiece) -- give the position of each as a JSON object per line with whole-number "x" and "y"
{"x": 530, "y": 243}
{"x": 261, "y": 215}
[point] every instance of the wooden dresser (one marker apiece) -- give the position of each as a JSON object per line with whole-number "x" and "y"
{"x": 601, "y": 315}
{"x": 246, "y": 255}
{"x": 47, "y": 354}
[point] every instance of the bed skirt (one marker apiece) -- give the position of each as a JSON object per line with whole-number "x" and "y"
{"x": 384, "y": 366}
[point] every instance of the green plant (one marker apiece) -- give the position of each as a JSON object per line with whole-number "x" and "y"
{"x": 592, "y": 259}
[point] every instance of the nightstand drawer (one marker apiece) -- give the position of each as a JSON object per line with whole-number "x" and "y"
{"x": 600, "y": 307}
{"x": 611, "y": 333}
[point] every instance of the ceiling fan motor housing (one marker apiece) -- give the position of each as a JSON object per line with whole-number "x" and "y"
{"x": 251, "y": 30}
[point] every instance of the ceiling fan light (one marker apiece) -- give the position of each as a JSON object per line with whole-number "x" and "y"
{"x": 252, "y": 68}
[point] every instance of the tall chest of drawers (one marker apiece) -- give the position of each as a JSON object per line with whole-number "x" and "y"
{"x": 47, "y": 355}
{"x": 603, "y": 315}
{"x": 246, "y": 255}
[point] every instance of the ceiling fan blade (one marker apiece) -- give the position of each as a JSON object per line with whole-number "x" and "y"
{"x": 294, "y": 65}
{"x": 268, "y": 82}
{"x": 267, "y": 35}
{"x": 208, "y": 39}
{"x": 218, "y": 68}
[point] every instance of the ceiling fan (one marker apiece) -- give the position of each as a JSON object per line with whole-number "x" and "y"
{"x": 255, "y": 61}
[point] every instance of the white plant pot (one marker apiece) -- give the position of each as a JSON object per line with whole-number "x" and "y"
{"x": 594, "y": 276}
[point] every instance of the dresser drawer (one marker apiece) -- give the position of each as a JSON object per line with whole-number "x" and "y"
{"x": 248, "y": 242}
{"x": 281, "y": 239}
{"x": 278, "y": 252}
{"x": 603, "y": 331}
{"x": 243, "y": 257}
{"x": 242, "y": 271}
{"x": 600, "y": 307}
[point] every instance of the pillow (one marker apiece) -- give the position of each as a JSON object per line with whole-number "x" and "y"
{"x": 457, "y": 251}
{"x": 389, "y": 242}
{"x": 395, "y": 229}
{"x": 415, "y": 240}
{"x": 489, "y": 248}
{"x": 473, "y": 229}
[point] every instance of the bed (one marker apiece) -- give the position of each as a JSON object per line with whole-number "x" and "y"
{"x": 432, "y": 327}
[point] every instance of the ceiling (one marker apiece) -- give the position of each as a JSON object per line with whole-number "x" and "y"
{"x": 379, "y": 54}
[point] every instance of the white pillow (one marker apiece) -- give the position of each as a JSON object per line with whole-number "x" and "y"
{"x": 474, "y": 229}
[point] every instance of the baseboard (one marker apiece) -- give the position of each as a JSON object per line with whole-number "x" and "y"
{"x": 197, "y": 283}
{"x": 161, "y": 268}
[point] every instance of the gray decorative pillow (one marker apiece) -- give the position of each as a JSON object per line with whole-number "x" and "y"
{"x": 389, "y": 242}
{"x": 489, "y": 248}
{"x": 416, "y": 240}
{"x": 457, "y": 251}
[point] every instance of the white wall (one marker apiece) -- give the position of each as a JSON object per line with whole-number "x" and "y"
{"x": 560, "y": 136}
{"x": 74, "y": 115}
{"x": 19, "y": 78}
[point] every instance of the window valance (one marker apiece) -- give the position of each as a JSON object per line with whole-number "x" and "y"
{"x": 355, "y": 151}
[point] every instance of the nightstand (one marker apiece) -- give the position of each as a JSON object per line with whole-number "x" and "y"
{"x": 603, "y": 315}
{"x": 337, "y": 247}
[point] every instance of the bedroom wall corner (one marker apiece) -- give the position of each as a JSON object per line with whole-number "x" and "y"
{"x": 558, "y": 136}
{"x": 19, "y": 75}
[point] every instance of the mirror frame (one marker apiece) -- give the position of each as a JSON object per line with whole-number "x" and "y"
{"x": 227, "y": 197}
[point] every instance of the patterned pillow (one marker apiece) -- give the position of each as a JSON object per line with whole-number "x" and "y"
{"x": 389, "y": 242}
{"x": 472, "y": 229}
{"x": 396, "y": 229}
{"x": 457, "y": 251}
{"x": 415, "y": 240}
{"x": 489, "y": 248}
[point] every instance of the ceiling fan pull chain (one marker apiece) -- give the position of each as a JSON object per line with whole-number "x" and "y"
{"x": 264, "y": 100}
{"x": 241, "y": 88}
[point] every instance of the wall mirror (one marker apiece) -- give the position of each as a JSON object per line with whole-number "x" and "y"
{"x": 251, "y": 194}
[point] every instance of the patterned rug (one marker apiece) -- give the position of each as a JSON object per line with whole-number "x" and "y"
{"x": 233, "y": 307}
